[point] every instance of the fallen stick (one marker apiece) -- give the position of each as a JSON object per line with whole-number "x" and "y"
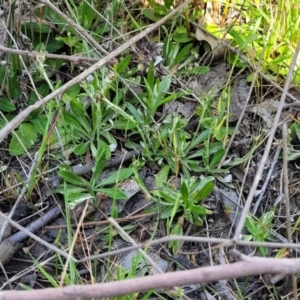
{"x": 246, "y": 266}
{"x": 10, "y": 245}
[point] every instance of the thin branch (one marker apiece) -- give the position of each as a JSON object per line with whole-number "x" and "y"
{"x": 221, "y": 241}
{"x": 266, "y": 182}
{"x": 287, "y": 200}
{"x": 286, "y": 184}
{"x": 247, "y": 266}
{"x": 10, "y": 242}
{"x": 105, "y": 222}
{"x": 35, "y": 54}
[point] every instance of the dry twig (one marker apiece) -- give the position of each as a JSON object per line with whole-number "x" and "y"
{"x": 34, "y": 54}
{"x": 246, "y": 266}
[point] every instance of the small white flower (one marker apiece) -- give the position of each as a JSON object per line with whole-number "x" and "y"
{"x": 89, "y": 78}
{"x": 112, "y": 147}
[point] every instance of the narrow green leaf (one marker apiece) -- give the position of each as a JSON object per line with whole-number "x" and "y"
{"x": 72, "y": 178}
{"x": 6, "y": 105}
{"x": 186, "y": 62}
{"x": 172, "y": 54}
{"x": 151, "y": 75}
{"x": 177, "y": 230}
{"x": 213, "y": 148}
{"x": 73, "y": 91}
{"x": 250, "y": 224}
{"x": 166, "y": 49}
{"x": 27, "y": 135}
{"x": 217, "y": 158}
{"x": 166, "y": 195}
{"x": 162, "y": 176}
{"x": 182, "y": 38}
{"x": 167, "y": 212}
{"x": 47, "y": 275}
{"x": 168, "y": 3}
{"x": 3, "y": 121}
{"x": 148, "y": 13}
{"x": 94, "y": 149}
{"x": 80, "y": 114}
{"x": 81, "y": 148}
{"x": 198, "y": 70}
{"x": 247, "y": 237}
{"x": 239, "y": 39}
{"x": 150, "y": 94}
{"x": 102, "y": 156}
{"x": 183, "y": 53}
{"x": 135, "y": 112}
{"x": 124, "y": 124}
{"x": 263, "y": 251}
{"x": 205, "y": 188}
{"x": 196, "y": 220}
{"x": 184, "y": 192}
{"x": 200, "y": 210}
{"x": 267, "y": 218}
{"x": 114, "y": 193}
{"x": 52, "y": 47}
{"x": 203, "y": 136}
{"x": 293, "y": 155}
{"x": 164, "y": 100}
{"x": 193, "y": 165}
{"x": 40, "y": 123}
{"x": 119, "y": 110}
{"x": 188, "y": 215}
{"x": 97, "y": 115}
{"x": 205, "y": 157}
{"x": 74, "y": 125}
{"x": 165, "y": 84}
{"x": 181, "y": 29}
{"x": 75, "y": 199}
{"x": 72, "y": 189}
{"x": 123, "y": 64}
{"x": 116, "y": 177}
